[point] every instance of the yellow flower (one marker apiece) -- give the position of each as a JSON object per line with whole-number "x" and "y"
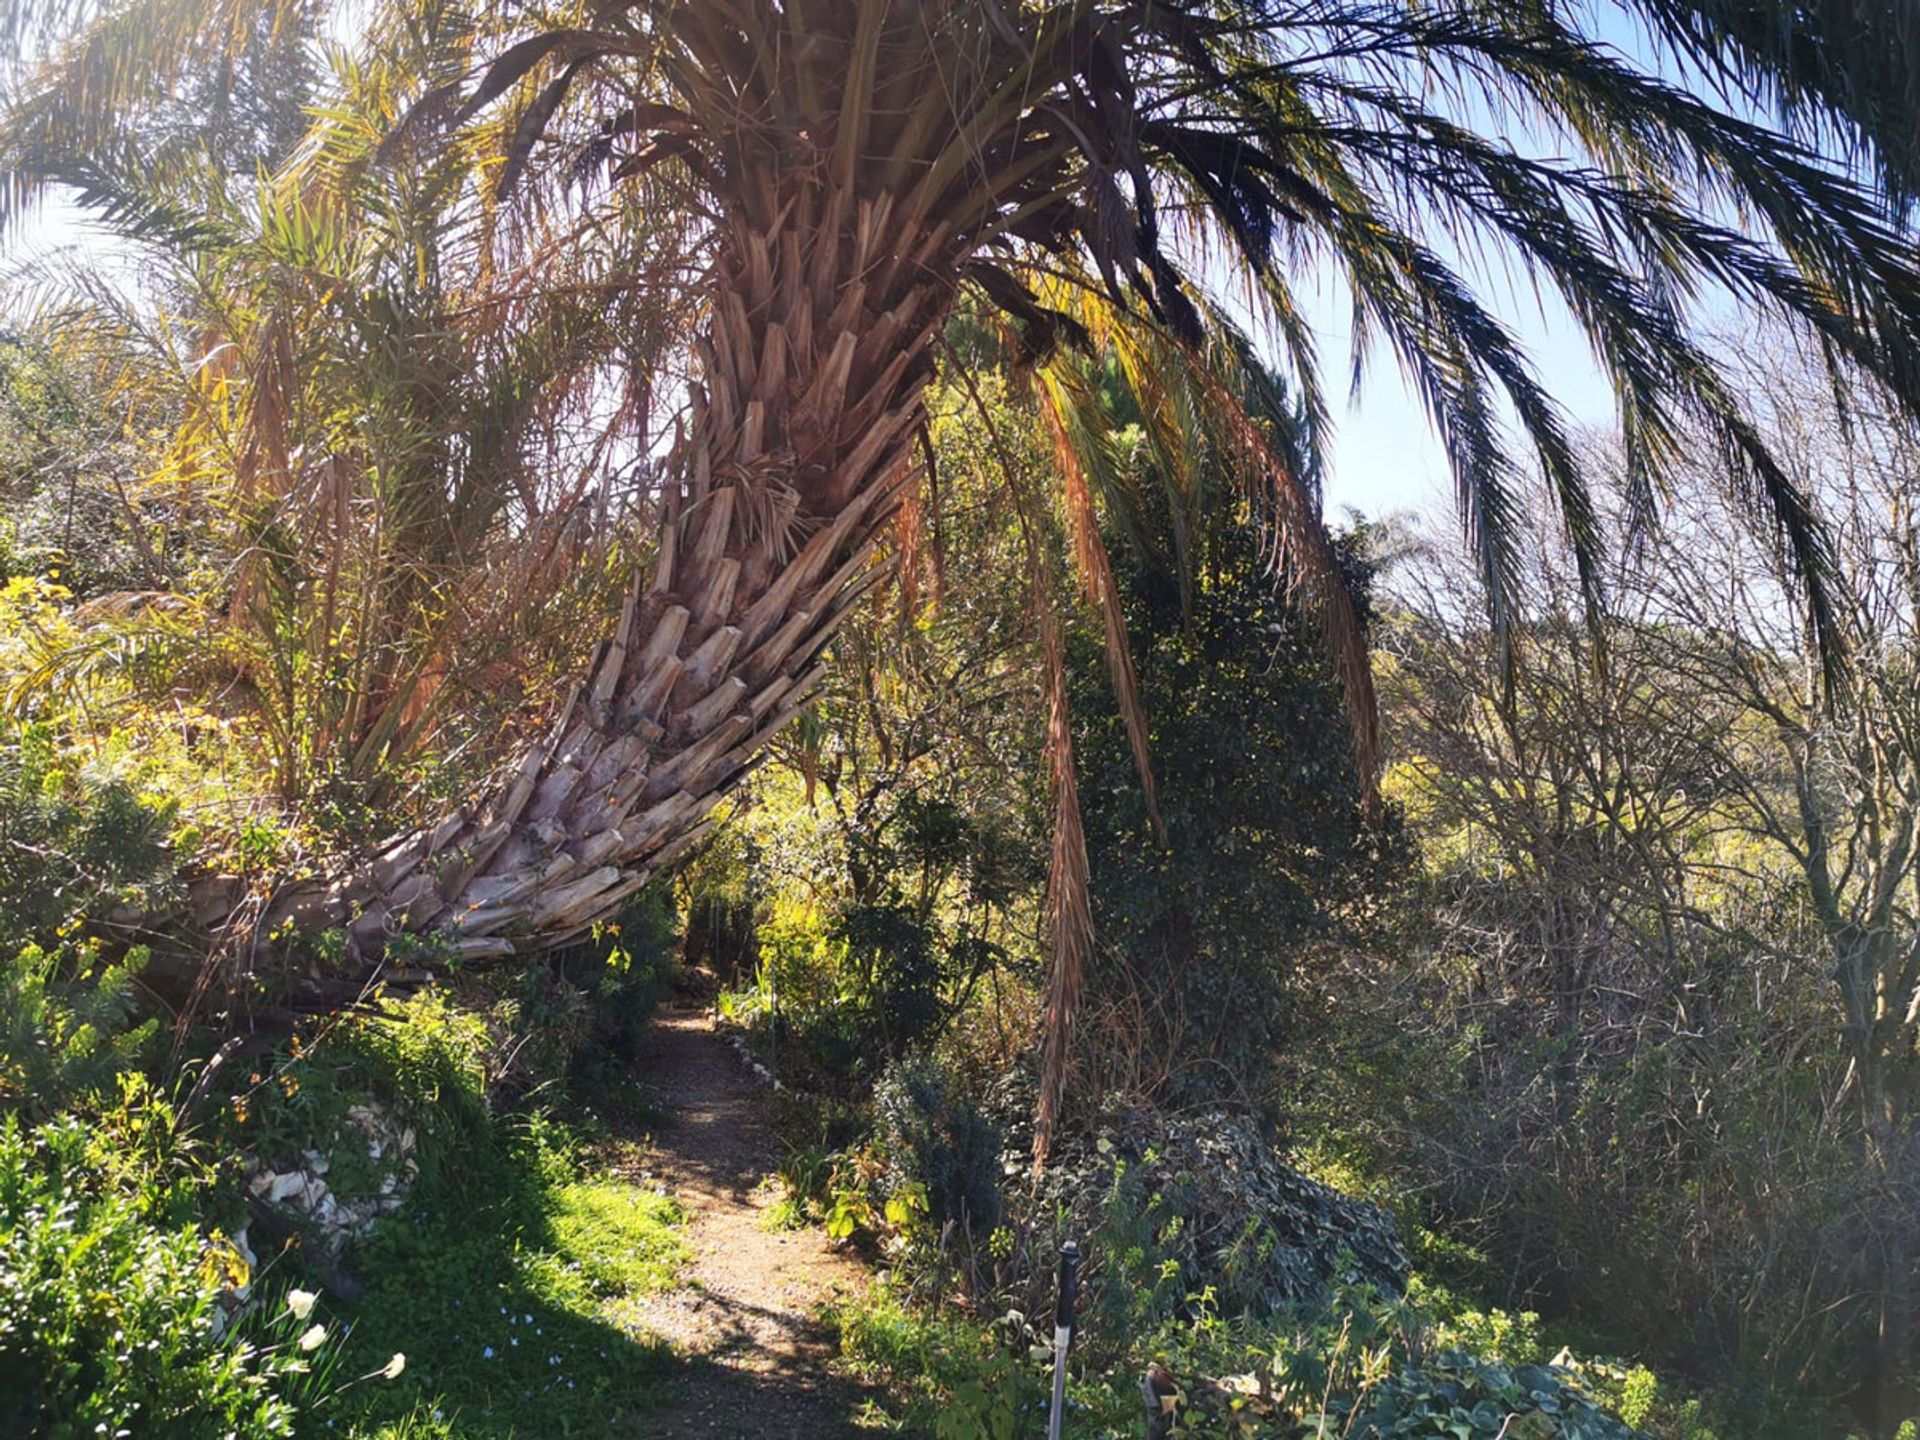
{"x": 314, "y": 1335}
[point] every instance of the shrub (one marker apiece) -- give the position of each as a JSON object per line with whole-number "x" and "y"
{"x": 1457, "y": 1396}
{"x": 70, "y": 852}
{"x": 67, "y": 1024}
{"x": 934, "y": 1137}
{"x": 631, "y": 962}
{"x": 957, "y": 1381}
{"x": 108, "y": 1296}
{"x": 425, "y": 1058}
{"x": 1177, "y": 1204}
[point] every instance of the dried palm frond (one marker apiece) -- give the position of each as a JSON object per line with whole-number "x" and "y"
{"x": 1096, "y": 574}
{"x": 1069, "y": 906}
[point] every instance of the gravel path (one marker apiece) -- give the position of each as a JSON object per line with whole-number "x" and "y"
{"x": 745, "y": 1317}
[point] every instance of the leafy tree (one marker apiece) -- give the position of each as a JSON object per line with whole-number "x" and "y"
{"x": 1205, "y": 917}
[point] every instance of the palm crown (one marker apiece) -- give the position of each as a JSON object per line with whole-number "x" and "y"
{"x": 1114, "y": 146}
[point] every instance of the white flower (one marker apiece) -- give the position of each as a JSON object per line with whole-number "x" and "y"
{"x": 395, "y": 1366}
{"x": 300, "y": 1302}
{"x": 313, "y": 1337}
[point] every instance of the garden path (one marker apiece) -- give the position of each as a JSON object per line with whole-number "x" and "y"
{"x": 746, "y": 1315}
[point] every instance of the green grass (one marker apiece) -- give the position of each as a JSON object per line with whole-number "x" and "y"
{"x": 510, "y": 1291}
{"x": 941, "y": 1375}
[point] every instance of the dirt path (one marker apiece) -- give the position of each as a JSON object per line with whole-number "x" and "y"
{"x": 745, "y": 1315}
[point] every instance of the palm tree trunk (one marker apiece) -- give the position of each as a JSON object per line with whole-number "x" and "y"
{"x": 799, "y": 449}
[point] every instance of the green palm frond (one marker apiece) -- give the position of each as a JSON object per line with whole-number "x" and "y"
{"x": 1831, "y": 69}
{"x": 1130, "y": 141}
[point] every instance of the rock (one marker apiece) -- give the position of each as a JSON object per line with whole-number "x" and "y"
{"x": 240, "y": 1243}
{"x": 336, "y": 1218}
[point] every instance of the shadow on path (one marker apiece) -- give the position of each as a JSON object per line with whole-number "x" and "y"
{"x": 745, "y": 1315}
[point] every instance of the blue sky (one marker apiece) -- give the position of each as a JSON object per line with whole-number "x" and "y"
{"x": 1385, "y": 456}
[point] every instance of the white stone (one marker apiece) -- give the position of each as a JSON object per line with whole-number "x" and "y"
{"x": 283, "y": 1188}
{"x": 316, "y": 1162}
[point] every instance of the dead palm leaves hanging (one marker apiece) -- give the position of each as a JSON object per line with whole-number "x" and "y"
{"x": 1069, "y": 903}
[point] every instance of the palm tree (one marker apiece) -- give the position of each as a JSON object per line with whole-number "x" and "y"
{"x": 399, "y": 446}
{"x": 856, "y": 167}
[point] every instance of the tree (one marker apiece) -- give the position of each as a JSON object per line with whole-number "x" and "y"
{"x": 380, "y": 479}
{"x": 1257, "y": 842}
{"x": 852, "y": 168}
{"x": 1675, "y": 928}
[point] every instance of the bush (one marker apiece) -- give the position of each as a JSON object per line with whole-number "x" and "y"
{"x": 424, "y": 1059}
{"x": 67, "y": 1025}
{"x": 1175, "y": 1204}
{"x": 936, "y": 1138}
{"x": 956, "y": 1381}
{"x": 70, "y": 853}
{"x": 1362, "y": 1368}
{"x": 1456, "y": 1396}
{"x": 108, "y": 1297}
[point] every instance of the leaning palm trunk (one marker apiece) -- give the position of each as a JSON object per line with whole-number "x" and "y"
{"x": 795, "y": 459}
{"x": 856, "y": 161}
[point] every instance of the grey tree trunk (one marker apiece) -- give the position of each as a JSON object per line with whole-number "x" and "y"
{"x": 799, "y": 452}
